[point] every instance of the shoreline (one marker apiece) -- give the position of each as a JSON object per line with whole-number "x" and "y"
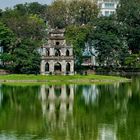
{"x": 75, "y": 79}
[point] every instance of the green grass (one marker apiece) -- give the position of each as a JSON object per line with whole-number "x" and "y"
{"x": 61, "y": 79}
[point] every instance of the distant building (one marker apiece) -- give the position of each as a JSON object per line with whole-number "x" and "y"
{"x": 107, "y": 7}
{"x": 57, "y": 56}
{"x": 89, "y": 57}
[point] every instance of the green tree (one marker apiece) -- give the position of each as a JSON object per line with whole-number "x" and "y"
{"x": 56, "y": 14}
{"x": 25, "y": 26}
{"x": 82, "y": 12}
{"x": 77, "y": 36}
{"x": 30, "y": 33}
{"x": 133, "y": 61}
{"x": 34, "y": 8}
{"x": 107, "y": 39}
{"x": 7, "y": 37}
{"x": 26, "y": 58}
{"x": 128, "y": 14}
{"x": 61, "y": 14}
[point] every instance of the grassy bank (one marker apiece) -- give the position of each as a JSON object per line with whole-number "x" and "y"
{"x": 18, "y": 78}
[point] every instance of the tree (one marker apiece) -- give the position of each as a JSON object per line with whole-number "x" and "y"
{"x": 25, "y": 58}
{"x": 128, "y": 14}
{"x": 7, "y": 37}
{"x": 56, "y": 14}
{"x": 31, "y": 8}
{"x": 82, "y": 12}
{"x": 133, "y": 61}
{"x": 30, "y": 33}
{"x": 25, "y": 26}
{"x": 77, "y": 36}
{"x": 107, "y": 39}
{"x": 61, "y": 13}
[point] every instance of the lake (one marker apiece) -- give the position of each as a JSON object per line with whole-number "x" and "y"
{"x": 70, "y": 112}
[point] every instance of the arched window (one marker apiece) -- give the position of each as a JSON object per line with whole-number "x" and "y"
{"x": 57, "y": 67}
{"x": 57, "y": 52}
{"x": 47, "y": 52}
{"x": 67, "y": 53}
{"x": 47, "y": 67}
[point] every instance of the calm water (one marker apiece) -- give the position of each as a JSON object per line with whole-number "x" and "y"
{"x": 70, "y": 112}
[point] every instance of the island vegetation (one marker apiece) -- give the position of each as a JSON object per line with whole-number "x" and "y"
{"x": 24, "y": 28}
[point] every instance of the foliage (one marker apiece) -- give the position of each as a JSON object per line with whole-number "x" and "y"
{"x": 77, "y": 36}
{"x": 24, "y": 58}
{"x": 61, "y": 14}
{"x": 133, "y": 61}
{"x": 56, "y": 14}
{"x": 25, "y": 26}
{"x": 34, "y": 8}
{"x": 106, "y": 37}
{"x": 128, "y": 14}
{"x": 29, "y": 34}
{"x": 6, "y": 37}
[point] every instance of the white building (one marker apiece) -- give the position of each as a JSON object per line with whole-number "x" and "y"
{"x": 107, "y": 7}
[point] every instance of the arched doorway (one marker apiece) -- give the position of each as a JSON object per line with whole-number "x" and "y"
{"x": 67, "y": 53}
{"x": 57, "y": 52}
{"x": 57, "y": 67}
{"x": 47, "y": 67}
{"x": 68, "y": 67}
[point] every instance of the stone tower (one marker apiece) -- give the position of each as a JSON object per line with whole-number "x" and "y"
{"x": 57, "y": 56}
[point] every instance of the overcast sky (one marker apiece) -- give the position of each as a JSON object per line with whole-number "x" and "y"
{"x": 10, "y": 3}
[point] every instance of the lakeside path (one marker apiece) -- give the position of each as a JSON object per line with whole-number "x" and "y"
{"x": 60, "y": 79}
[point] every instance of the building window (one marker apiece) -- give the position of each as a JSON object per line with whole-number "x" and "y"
{"x": 57, "y": 52}
{"x": 47, "y": 52}
{"x": 67, "y": 53}
{"x": 112, "y": 12}
{"x": 106, "y": 13}
{"x": 109, "y": 5}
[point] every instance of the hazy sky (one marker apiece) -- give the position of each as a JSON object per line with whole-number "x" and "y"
{"x": 10, "y": 3}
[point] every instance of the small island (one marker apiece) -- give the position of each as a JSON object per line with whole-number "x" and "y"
{"x": 61, "y": 79}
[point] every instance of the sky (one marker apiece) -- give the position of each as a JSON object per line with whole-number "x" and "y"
{"x": 10, "y": 3}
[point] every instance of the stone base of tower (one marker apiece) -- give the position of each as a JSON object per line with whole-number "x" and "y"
{"x": 54, "y": 67}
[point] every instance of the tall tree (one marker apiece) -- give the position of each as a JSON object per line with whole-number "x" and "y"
{"x": 61, "y": 13}
{"x": 77, "y": 36}
{"x": 30, "y": 32}
{"x": 25, "y": 58}
{"x": 128, "y": 14}
{"x": 7, "y": 37}
{"x": 107, "y": 39}
{"x": 25, "y": 26}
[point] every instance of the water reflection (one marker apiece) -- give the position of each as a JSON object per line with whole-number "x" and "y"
{"x": 70, "y": 112}
{"x": 57, "y": 105}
